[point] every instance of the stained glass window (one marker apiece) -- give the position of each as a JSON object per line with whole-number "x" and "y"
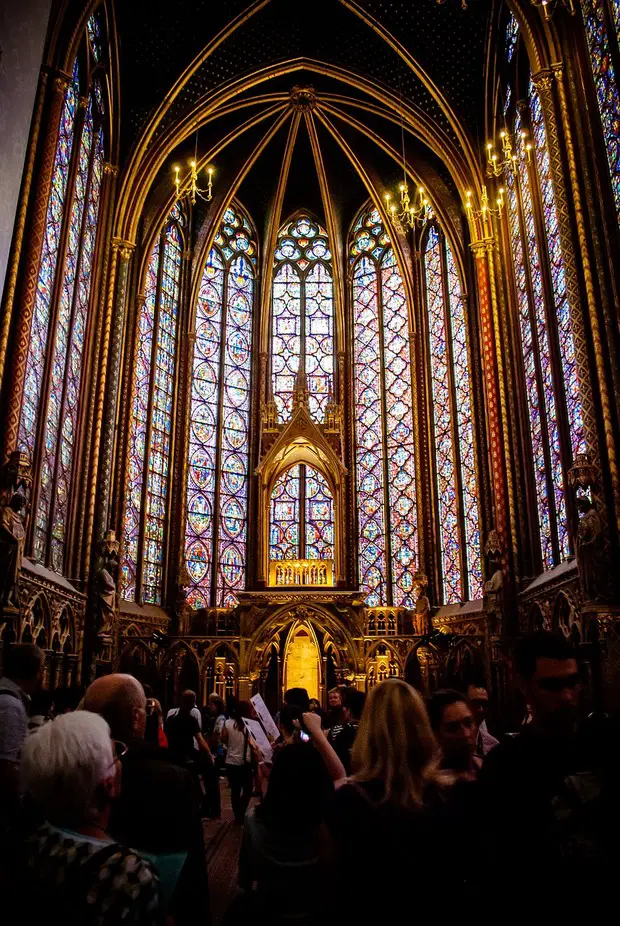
{"x": 602, "y": 26}
{"x": 94, "y": 35}
{"x": 457, "y": 490}
{"x": 217, "y": 487}
{"x": 384, "y": 441}
{"x": 512, "y": 36}
{"x": 302, "y": 316}
{"x": 301, "y": 490}
{"x": 552, "y": 383}
{"x": 56, "y": 351}
{"x": 145, "y": 519}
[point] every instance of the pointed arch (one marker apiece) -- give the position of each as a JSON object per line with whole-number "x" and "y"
{"x": 302, "y": 313}
{"x": 215, "y": 545}
{"x": 57, "y": 339}
{"x": 384, "y": 416}
{"x": 145, "y": 522}
{"x": 453, "y": 444}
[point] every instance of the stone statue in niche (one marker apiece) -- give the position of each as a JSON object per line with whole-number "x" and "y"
{"x": 423, "y": 617}
{"x": 590, "y": 550}
{"x": 12, "y": 541}
{"x": 15, "y": 482}
{"x": 106, "y": 578}
{"x": 494, "y": 585}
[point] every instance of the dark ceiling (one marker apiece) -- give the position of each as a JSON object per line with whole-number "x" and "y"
{"x": 159, "y": 40}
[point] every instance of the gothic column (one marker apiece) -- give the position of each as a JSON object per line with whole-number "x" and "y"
{"x": 487, "y": 299}
{"x": 544, "y": 85}
{"x": 22, "y": 212}
{"x": 588, "y": 396}
{"x": 31, "y": 258}
{"x": 110, "y": 373}
{"x": 84, "y": 511}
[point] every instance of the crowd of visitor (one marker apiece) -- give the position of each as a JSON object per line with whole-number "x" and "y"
{"x": 383, "y": 806}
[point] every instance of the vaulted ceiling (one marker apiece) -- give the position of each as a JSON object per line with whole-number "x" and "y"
{"x": 224, "y": 73}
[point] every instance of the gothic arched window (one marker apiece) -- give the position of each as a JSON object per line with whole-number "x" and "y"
{"x": 302, "y": 315}
{"x": 551, "y": 375}
{"x": 301, "y": 524}
{"x": 58, "y": 336}
{"x": 453, "y": 423}
{"x": 384, "y": 439}
{"x": 146, "y": 509}
{"x": 602, "y": 25}
{"x": 217, "y": 481}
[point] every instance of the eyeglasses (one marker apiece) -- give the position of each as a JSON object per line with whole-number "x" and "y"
{"x": 119, "y": 749}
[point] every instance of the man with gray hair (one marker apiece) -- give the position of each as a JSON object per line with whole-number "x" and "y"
{"x": 72, "y": 870}
{"x": 158, "y": 808}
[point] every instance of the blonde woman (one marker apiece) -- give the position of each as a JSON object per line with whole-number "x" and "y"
{"x": 389, "y": 822}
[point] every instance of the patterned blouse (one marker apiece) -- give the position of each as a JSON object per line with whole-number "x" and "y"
{"x": 122, "y": 887}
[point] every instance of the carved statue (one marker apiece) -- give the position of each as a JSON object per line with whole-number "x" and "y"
{"x": 494, "y": 585}
{"x": 105, "y": 585}
{"x": 12, "y": 540}
{"x": 590, "y": 550}
{"x": 423, "y": 617}
{"x": 15, "y": 480}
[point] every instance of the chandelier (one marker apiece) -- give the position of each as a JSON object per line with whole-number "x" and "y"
{"x": 497, "y": 164}
{"x": 486, "y": 210}
{"x": 408, "y": 214}
{"x": 550, "y": 6}
{"x": 188, "y": 185}
{"x": 405, "y": 212}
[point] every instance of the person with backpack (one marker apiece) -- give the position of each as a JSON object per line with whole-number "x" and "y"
{"x": 71, "y": 871}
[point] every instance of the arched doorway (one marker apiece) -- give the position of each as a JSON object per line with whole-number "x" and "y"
{"x": 302, "y": 661}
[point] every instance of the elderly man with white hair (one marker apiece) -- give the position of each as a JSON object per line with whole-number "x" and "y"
{"x": 73, "y": 872}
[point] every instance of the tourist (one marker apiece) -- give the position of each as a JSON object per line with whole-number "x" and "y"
{"x": 158, "y": 810}
{"x": 454, "y": 726}
{"x": 154, "y": 731}
{"x": 188, "y": 700}
{"x": 550, "y": 798}
{"x": 353, "y": 706}
{"x": 236, "y": 739}
{"x": 285, "y": 848}
{"x": 73, "y": 871}
{"x": 387, "y": 819}
{"x": 478, "y": 698}
{"x": 335, "y": 715}
{"x": 297, "y": 697}
{"x": 314, "y": 706}
{"x": 23, "y": 670}
{"x": 213, "y": 720}
{"x": 184, "y": 730}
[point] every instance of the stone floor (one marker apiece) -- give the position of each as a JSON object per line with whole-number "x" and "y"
{"x": 222, "y": 844}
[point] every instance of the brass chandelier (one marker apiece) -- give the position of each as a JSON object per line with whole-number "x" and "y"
{"x": 405, "y": 212}
{"x": 188, "y": 185}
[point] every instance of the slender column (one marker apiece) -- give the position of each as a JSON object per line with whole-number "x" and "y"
{"x": 111, "y": 362}
{"x": 498, "y": 469}
{"x": 20, "y": 221}
{"x": 599, "y": 352}
{"x": 31, "y": 259}
{"x": 500, "y": 340}
{"x": 83, "y": 520}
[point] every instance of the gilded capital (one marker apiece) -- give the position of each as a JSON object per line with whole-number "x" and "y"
{"x": 543, "y": 81}
{"x": 110, "y": 168}
{"x": 124, "y": 248}
{"x": 61, "y": 81}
